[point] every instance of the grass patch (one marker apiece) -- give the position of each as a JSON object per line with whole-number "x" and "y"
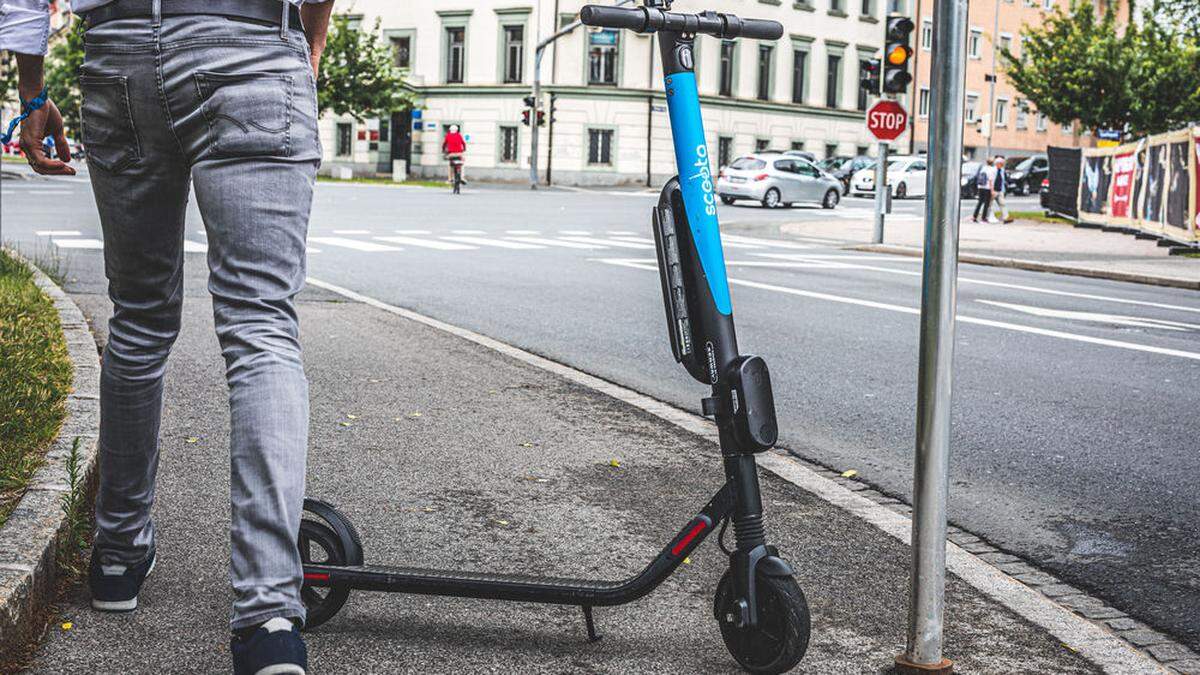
{"x": 386, "y": 181}
{"x": 1038, "y": 216}
{"x": 35, "y": 376}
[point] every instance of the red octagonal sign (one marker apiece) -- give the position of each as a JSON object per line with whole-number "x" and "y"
{"x": 886, "y": 120}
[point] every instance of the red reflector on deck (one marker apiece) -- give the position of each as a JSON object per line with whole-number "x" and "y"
{"x": 316, "y": 576}
{"x": 687, "y": 538}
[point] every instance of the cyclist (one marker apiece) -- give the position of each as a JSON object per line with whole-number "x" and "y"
{"x": 454, "y": 146}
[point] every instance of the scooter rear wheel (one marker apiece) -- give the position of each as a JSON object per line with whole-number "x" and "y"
{"x": 780, "y": 638}
{"x": 320, "y": 545}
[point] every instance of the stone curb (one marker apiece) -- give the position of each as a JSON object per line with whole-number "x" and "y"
{"x": 29, "y": 540}
{"x": 1036, "y": 266}
{"x": 1114, "y": 642}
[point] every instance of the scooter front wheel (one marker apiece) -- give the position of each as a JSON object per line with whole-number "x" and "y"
{"x": 780, "y": 638}
{"x": 320, "y": 545}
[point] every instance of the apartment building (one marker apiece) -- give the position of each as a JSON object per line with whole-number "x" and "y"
{"x": 470, "y": 63}
{"x": 1015, "y": 126}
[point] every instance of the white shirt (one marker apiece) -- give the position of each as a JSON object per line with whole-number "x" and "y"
{"x": 25, "y": 24}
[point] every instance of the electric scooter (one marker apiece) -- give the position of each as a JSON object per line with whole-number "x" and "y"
{"x": 762, "y": 613}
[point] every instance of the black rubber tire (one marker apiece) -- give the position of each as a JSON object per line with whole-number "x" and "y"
{"x": 831, "y": 199}
{"x": 321, "y": 604}
{"x": 901, "y": 191}
{"x": 770, "y": 203}
{"x": 780, "y": 639}
{"x": 728, "y": 201}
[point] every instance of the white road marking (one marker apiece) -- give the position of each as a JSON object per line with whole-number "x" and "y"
{"x": 982, "y": 282}
{"x": 772, "y": 243}
{"x": 608, "y": 242}
{"x": 621, "y": 233}
{"x": 468, "y": 232}
{"x": 428, "y": 243}
{"x": 190, "y": 246}
{"x": 59, "y": 233}
{"x": 95, "y": 244}
{"x": 523, "y": 232}
{"x": 354, "y": 244}
{"x": 352, "y": 232}
{"x": 1095, "y": 317}
{"x": 36, "y": 191}
{"x": 1120, "y": 344}
{"x": 413, "y": 232}
{"x": 498, "y": 243}
{"x": 555, "y": 242}
{"x": 583, "y": 233}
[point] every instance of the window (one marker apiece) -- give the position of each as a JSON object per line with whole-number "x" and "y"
{"x": 831, "y": 149}
{"x": 385, "y": 131}
{"x": 600, "y": 148}
{"x": 724, "y": 150}
{"x": 514, "y": 54}
{"x": 728, "y": 54}
{"x": 1041, "y": 121}
{"x": 860, "y": 151}
{"x": 509, "y": 144}
{"x": 402, "y": 52}
{"x": 345, "y": 134}
{"x": 835, "y": 6}
{"x": 1022, "y": 115}
{"x": 798, "y": 145}
{"x": 761, "y": 144}
{"x": 764, "y": 71}
{"x": 603, "y": 49}
{"x": 927, "y": 35}
{"x": 868, "y": 7}
{"x": 972, "y": 108}
{"x": 923, "y": 102}
{"x": 1005, "y": 42}
{"x": 1047, "y": 4}
{"x": 974, "y": 42}
{"x": 862, "y": 93}
{"x": 896, "y": 7}
{"x": 455, "y": 53}
{"x": 833, "y": 78}
{"x": 1001, "y": 112}
{"x": 1067, "y": 128}
{"x": 799, "y": 74}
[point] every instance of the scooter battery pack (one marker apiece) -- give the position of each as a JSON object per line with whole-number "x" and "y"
{"x": 752, "y": 404}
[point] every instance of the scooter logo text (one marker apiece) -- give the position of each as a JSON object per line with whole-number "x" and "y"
{"x": 704, "y": 173}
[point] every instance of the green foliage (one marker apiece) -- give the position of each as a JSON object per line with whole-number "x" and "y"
{"x": 1184, "y": 14}
{"x": 358, "y": 75}
{"x": 8, "y": 76}
{"x": 63, "y": 65}
{"x": 1138, "y": 77}
{"x": 76, "y": 512}
{"x": 35, "y": 375}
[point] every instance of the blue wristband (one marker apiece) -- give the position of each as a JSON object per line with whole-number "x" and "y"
{"x": 27, "y": 107}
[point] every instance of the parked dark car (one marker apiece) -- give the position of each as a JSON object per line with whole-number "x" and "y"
{"x": 1025, "y": 176}
{"x": 842, "y": 167}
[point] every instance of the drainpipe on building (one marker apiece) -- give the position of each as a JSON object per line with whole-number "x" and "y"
{"x": 537, "y": 91}
{"x": 914, "y": 100}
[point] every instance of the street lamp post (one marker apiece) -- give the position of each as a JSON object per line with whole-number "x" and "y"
{"x": 923, "y": 653}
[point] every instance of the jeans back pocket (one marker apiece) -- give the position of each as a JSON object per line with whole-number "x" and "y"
{"x": 109, "y": 135}
{"x": 249, "y": 114}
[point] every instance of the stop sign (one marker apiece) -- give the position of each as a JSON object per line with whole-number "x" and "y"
{"x": 886, "y": 120}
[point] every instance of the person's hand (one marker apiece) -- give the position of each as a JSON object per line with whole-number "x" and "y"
{"x": 43, "y": 122}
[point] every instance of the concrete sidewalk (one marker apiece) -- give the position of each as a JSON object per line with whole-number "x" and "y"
{"x": 1028, "y": 244}
{"x": 449, "y": 454}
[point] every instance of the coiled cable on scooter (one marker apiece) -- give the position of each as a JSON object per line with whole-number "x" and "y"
{"x": 721, "y": 538}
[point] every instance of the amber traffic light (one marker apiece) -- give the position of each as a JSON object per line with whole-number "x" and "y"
{"x": 897, "y": 54}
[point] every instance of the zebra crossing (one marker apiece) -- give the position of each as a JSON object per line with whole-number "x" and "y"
{"x": 461, "y": 240}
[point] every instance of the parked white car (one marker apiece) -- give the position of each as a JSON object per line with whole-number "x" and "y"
{"x": 775, "y": 180}
{"x": 906, "y": 176}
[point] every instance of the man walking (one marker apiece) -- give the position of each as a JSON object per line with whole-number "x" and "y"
{"x": 221, "y": 95}
{"x": 1000, "y": 186}
{"x": 983, "y": 192}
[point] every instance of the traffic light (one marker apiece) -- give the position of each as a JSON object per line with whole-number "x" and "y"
{"x": 897, "y": 53}
{"x": 527, "y": 113}
{"x": 541, "y": 118}
{"x": 525, "y": 116}
{"x": 868, "y": 76}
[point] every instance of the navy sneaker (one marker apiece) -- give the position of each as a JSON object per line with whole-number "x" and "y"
{"x": 274, "y": 648}
{"x": 115, "y": 587}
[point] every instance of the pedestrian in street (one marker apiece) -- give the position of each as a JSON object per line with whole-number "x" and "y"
{"x": 454, "y": 146}
{"x": 983, "y": 192}
{"x": 999, "y": 186}
{"x": 220, "y": 95}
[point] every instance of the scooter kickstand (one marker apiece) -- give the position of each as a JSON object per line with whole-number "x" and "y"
{"x": 591, "y": 623}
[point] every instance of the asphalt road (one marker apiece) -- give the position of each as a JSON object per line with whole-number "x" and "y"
{"x": 1075, "y": 425}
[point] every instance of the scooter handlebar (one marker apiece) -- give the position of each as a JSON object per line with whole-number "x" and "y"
{"x": 649, "y": 19}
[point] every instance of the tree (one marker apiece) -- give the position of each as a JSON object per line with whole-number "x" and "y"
{"x": 1135, "y": 77}
{"x": 63, "y": 66}
{"x": 358, "y": 75}
{"x": 1185, "y": 14}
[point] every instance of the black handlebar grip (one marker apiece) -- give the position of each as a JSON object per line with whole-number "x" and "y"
{"x": 613, "y": 17}
{"x": 761, "y": 29}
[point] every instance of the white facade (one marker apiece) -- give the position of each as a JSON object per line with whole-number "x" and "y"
{"x": 471, "y": 62}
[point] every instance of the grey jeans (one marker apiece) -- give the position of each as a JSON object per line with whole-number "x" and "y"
{"x": 230, "y": 107}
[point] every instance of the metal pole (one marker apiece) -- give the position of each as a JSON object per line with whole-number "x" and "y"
{"x": 537, "y": 91}
{"x": 992, "y": 82}
{"x": 880, "y": 192}
{"x": 935, "y": 375}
